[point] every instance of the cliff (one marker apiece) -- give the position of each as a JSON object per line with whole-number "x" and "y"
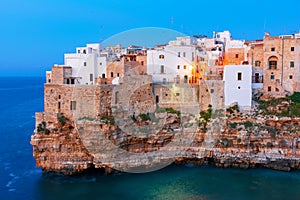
{"x": 243, "y": 140}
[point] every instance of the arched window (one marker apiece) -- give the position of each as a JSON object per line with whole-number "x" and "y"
{"x": 161, "y": 56}
{"x": 273, "y": 62}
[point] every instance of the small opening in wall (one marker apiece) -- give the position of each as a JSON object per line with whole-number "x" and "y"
{"x": 239, "y": 87}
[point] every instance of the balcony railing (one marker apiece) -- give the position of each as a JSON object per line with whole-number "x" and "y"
{"x": 257, "y": 79}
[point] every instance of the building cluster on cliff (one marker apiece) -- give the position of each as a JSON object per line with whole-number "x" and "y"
{"x": 195, "y": 70}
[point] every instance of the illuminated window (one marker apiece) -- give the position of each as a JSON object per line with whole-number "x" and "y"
{"x": 161, "y": 56}
{"x": 184, "y": 67}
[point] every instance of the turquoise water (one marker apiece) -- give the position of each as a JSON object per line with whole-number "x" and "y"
{"x": 21, "y": 179}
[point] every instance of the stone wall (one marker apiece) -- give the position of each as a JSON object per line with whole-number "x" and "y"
{"x": 235, "y": 56}
{"x": 279, "y": 49}
{"x": 211, "y": 92}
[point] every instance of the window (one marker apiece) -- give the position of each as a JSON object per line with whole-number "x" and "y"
{"x": 239, "y": 76}
{"x": 91, "y": 77}
{"x": 100, "y": 63}
{"x": 276, "y": 89}
{"x": 116, "y": 97}
{"x": 178, "y": 66}
{"x": 142, "y": 63}
{"x": 118, "y": 74}
{"x": 269, "y": 89}
{"x": 178, "y": 54}
{"x": 183, "y": 54}
{"x": 84, "y": 51}
{"x": 257, "y": 63}
{"x": 78, "y": 51}
{"x": 236, "y": 55}
{"x": 212, "y": 91}
{"x": 59, "y": 97}
{"x": 272, "y": 77}
{"x": 161, "y": 56}
{"x": 111, "y": 74}
{"x": 184, "y": 67}
{"x": 292, "y": 64}
{"x": 73, "y": 105}
{"x": 291, "y": 76}
{"x": 162, "y": 69}
{"x": 239, "y": 87}
{"x": 58, "y": 106}
{"x": 164, "y": 81}
{"x": 84, "y": 63}
{"x": 177, "y": 94}
{"x": 273, "y": 49}
{"x": 103, "y": 75}
{"x": 177, "y": 80}
{"x": 272, "y": 64}
{"x": 292, "y": 48}
{"x": 185, "y": 79}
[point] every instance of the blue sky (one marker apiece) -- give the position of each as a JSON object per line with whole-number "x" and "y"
{"x": 36, "y": 33}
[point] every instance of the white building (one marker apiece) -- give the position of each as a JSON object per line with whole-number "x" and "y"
{"x": 238, "y": 88}
{"x": 87, "y": 63}
{"x": 173, "y": 62}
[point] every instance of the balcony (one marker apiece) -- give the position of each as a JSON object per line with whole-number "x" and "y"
{"x": 257, "y": 79}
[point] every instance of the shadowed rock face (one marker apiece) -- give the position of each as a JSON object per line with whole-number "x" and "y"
{"x": 246, "y": 141}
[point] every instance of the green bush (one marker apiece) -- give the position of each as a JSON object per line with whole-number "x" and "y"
{"x": 42, "y": 127}
{"x": 233, "y": 125}
{"x": 145, "y": 117}
{"x": 108, "y": 119}
{"x": 295, "y": 97}
{"x": 248, "y": 124}
{"x": 62, "y": 120}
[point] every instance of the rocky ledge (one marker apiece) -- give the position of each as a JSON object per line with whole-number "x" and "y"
{"x": 246, "y": 140}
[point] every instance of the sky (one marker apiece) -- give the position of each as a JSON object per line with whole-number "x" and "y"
{"x": 35, "y": 34}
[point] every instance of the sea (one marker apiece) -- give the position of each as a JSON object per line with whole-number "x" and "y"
{"x": 21, "y": 97}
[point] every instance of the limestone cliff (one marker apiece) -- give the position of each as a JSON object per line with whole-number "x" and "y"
{"x": 245, "y": 141}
